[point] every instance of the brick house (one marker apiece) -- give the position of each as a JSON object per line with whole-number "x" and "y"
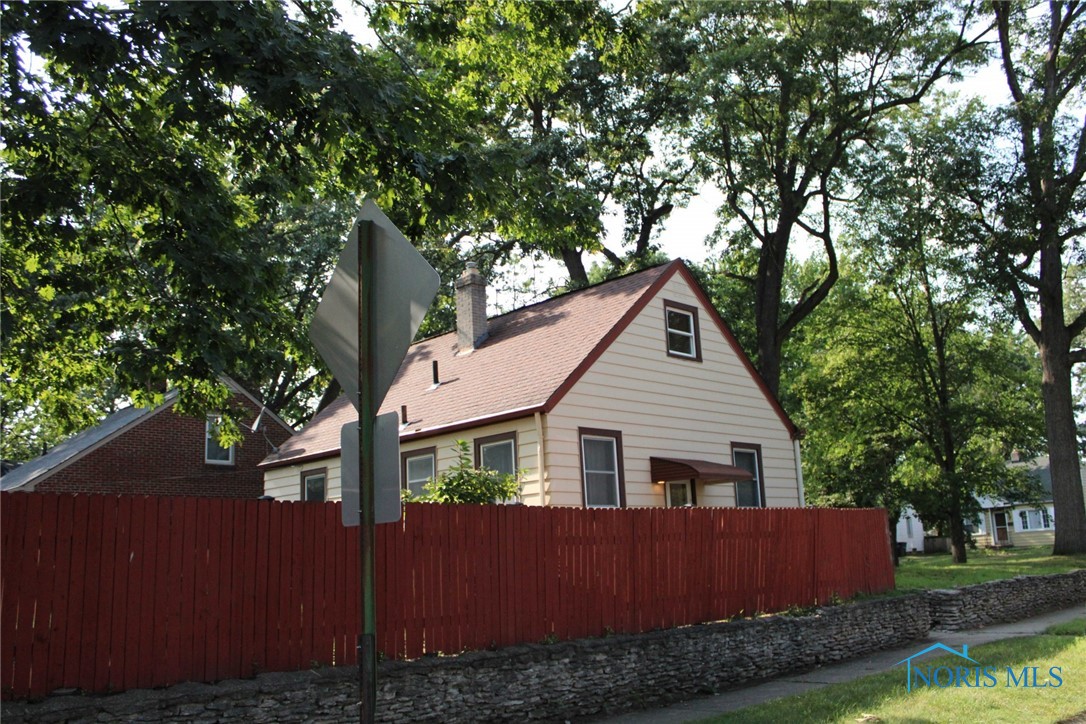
{"x": 632, "y": 392}
{"x": 156, "y": 451}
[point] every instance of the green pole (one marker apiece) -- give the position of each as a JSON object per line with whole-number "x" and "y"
{"x": 367, "y": 641}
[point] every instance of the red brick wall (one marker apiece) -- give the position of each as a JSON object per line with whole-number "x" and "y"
{"x": 164, "y": 455}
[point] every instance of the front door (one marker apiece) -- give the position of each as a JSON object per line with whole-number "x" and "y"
{"x": 679, "y": 494}
{"x": 1000, "y": 523}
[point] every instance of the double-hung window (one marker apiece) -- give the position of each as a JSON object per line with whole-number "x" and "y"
{"x": 683, "y": 335}
{"x": 418, "y": 469}
{"x": 749, "y": 493}
{"x": 601, "y": 468}
{"x": 214, "y": 453}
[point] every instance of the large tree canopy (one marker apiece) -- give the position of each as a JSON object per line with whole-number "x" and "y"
{"x": 915, "y": 392}
{"x": 784, "y": 93}
{"x": 167, "y": 173}
{"x": 571, "y": 109}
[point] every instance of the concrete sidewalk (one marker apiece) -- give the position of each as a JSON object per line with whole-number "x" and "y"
{"x": 875, "y": 663}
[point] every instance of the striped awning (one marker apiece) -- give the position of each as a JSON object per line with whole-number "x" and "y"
{"x": 703, "y": 470}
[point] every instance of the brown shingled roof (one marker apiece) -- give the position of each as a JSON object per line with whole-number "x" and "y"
{"x": 528, "y": 361}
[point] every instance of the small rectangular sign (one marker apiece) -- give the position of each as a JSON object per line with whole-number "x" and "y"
{"x": 386, "y": 465}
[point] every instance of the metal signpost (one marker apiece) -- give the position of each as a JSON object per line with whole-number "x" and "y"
{"x": 373, "y": 305}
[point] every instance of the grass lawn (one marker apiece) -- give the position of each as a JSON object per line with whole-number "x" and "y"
{"x": 884, "y": 698}
{"x": 937, "y": 571}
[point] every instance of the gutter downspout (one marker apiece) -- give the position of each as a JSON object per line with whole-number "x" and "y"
{"x": 544, "y": 482}
{"x": 799, "y": 473}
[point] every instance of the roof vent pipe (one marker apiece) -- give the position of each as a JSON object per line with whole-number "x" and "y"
{"x": 471, "y": 325}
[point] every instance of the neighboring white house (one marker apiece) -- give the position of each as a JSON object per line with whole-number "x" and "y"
{"x": 910, "y": 531}
{"x": 1014, "y": 524}
{"x": 632, "y": 392}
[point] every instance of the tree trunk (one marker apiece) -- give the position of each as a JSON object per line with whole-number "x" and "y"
{"x": 578, "y": 276}
{"x": 767, "y": 304}
{"x": 1060, "y": 427}
{"x": 957, "y": 537}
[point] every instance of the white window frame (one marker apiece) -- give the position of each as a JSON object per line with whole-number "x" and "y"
{"x": 615, "y": 440}
{"x": 688, "y": 484}
{"x": 210, "y": 425}
{"x": 1045, "y": 518}
{"x": 693, "y": 335}
{"x": 506, "y": 440}
{"x": 418, "y": 455}
{"x": 759, "y": 484}
{"x": 314, "y": 473}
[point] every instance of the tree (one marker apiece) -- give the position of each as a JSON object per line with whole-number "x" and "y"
{"x": 570, "y": 108}
{"x": 940, "y": 389}
{"x": 1036, "y": 220}
{"x": 154, "y": 156}
{"x": 464, "y": 483}
{"x": 785, "y": 93}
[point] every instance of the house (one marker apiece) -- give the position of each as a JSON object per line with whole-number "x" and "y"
{"x": 1004, "y": 524}
{"x": 157, "y": 451}
{"x": 632, "y": 392}
{"x": 910, "y": 531}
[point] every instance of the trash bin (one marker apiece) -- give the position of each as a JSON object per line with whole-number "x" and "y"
{"x": 901, "y": 549}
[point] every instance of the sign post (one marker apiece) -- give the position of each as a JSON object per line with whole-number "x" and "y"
{"x": 367, "y": 411}
{"x": 370, "y": 311}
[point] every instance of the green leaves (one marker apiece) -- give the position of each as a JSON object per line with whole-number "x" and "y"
{"x": 150, "y": 149}
{"x": 464, "y": 483}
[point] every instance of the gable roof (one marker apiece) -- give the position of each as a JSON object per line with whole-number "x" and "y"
{"x": 530, "y": 359}
{"x": 111, "y": 426}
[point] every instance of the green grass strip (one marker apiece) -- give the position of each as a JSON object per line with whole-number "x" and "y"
{"x": 884, "y": 698}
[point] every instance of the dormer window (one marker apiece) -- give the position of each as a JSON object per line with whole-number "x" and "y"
{"x": 214, "y": 453}
{"x": 683, "y": 335}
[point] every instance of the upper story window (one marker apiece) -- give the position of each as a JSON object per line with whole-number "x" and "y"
{"x": 214, "y": 453}
{"x": 683, "y": 334}
{"x": 315, "y": 485}
{"x": 419, "y": 468}
{"x": 749, "y": 493}
{"x": 601, "y": 468}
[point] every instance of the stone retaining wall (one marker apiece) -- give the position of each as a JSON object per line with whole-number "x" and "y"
{"x": 573, "y": 679}
{"x": 1006, "y": 600}
{"x": 541, "y": 682}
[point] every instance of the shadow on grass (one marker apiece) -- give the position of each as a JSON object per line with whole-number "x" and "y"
{"x": 852, "y": 699}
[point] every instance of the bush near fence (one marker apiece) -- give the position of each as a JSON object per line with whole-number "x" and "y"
{"x": 107, "y": 593}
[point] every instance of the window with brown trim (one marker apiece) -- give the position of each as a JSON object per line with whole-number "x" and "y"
{"x": 681, "y": 331}
{"x": 497, "y": 453}
{"x": 315, "y": 485}
{"x": 418, "y": 467}
{"x": 603, "y": 480}
{"x": 749, "y": 493}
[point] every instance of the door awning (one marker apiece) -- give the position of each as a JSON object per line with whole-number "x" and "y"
{"x": 703, "y": 470}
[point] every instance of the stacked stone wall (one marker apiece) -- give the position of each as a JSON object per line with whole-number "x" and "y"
{"x": 1011, "y": 599}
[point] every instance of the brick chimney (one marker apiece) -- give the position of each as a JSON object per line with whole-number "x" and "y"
{"x": 471, "y": 327}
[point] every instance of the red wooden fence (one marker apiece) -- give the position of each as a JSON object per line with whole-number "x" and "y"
{"x": 105, "y": 593}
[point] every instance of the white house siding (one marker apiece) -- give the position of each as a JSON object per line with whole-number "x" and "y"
{"x": 285, "y": 483}
{"x": 668, "y": 407}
